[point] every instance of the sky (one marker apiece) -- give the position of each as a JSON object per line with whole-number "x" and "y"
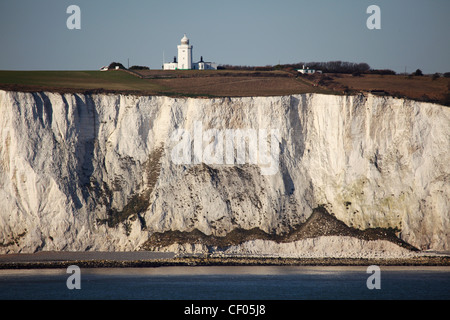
{"x": 414, "y": 34}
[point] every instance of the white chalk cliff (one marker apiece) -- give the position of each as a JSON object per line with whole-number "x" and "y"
{"x": 96, "y": 172}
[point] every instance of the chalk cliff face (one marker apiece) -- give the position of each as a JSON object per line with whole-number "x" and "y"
{"x": 104, "y": 172}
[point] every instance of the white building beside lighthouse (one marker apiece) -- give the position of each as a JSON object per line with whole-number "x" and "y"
{"x": 185, "y": 59}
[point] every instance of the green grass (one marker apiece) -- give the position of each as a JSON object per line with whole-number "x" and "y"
{"x": 191, "y": 83}
{"x": 83, "y": 80}
{"x": 221, "y": 83}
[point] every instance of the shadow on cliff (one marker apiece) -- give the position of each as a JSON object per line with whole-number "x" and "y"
{"x": 84, "y": 152}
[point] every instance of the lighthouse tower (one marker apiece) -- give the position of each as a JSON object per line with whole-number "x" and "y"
{"x": 184, "y": 54}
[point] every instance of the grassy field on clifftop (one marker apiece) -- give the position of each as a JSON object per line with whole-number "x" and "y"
{"x": 73, "y": 81}
{"x": 226, "y": 83}
{"x": 175, "y": 83}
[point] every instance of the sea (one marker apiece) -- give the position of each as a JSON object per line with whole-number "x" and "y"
{"x": 228, "y": 283}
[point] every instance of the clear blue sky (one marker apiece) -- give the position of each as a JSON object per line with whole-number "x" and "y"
{"x": 34, "y": 36}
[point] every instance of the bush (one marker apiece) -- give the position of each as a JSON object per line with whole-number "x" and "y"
{"x": 325, "y": 67}
{"x": 113, "y": 65}
{"x": 266, "y": 68}
{"x": 338, "y": 66}
{"x": 435, "y": 76}
{"x": 139, "y": 68}
{"x": 382, "y": 71}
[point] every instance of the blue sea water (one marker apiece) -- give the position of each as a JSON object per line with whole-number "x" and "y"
{"x": 228, "y": 283}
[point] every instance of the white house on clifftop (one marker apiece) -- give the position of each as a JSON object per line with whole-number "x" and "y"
{"x": 185, "y": 59}
{"x": 307, "y": 70}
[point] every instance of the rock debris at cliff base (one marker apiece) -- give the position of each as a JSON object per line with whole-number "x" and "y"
{"x": 319, "y": 226}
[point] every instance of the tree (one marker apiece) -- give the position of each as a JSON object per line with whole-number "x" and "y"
{"x": 435, "y": 76}
{"x": 139, "y": 68}
{"x": 418, "y": 73}
{"x": 382, "y": 71}
{"x": 113, "y": 65}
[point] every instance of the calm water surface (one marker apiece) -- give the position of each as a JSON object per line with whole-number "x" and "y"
{"x": 228, "y": 283}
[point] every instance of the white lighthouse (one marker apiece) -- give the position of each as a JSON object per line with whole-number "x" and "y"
{"x": 185, "y": 59}
{"x": 184, "y": 54}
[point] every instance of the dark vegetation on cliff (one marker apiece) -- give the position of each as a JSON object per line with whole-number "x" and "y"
{"x": 320, "y": 223}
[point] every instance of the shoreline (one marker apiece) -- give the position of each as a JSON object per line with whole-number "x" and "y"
{"x": 43, "y": 261}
